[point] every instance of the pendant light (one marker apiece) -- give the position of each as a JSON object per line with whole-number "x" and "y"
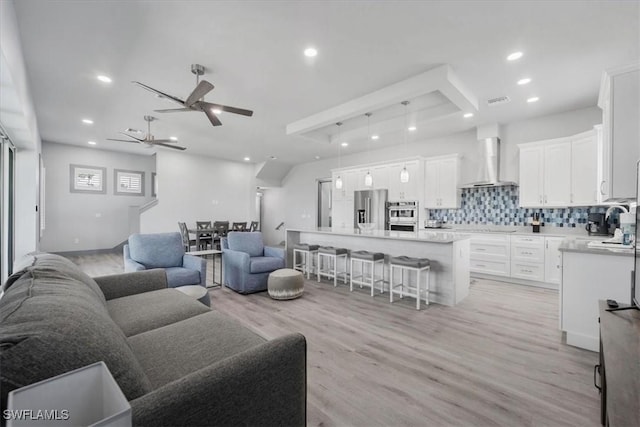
{"x": 368, "y": 179}
{"x": 339, "y": 178}
{"x": 404, "y": 173}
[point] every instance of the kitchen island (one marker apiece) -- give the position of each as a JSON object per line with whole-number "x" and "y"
{"x": 448, "y": 253}
{"x": 591, "y": 274}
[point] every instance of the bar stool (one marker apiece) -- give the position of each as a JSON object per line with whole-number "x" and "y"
{"x": 372, "y": 259}
{"x": 405, "y": 263}
{"x": 306, "y": 253}
{"x": 331, "y": 254}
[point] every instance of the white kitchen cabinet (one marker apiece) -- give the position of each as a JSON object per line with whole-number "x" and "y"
{"x": 441, "y": 182}
{"x": 527, "y": 257}
{"x": 490, "y": 254}
{"x": 380, "y": 174}
{"x": 586, "y": 279}
{"x": 552, "y": 260}
{"x": 531, "y": 176}
{"x": 584, "y": 169}
{"x": 619, "y": 100}
{"x": 404, "y": 190}
{"x": 545, "y": 173}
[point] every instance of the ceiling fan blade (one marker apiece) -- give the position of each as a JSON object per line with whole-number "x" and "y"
{"x": 154, "y": 141}
{"x": 157, "y": 92}
{"x": 203, "y": 88}
{"x": 121, "y": 140}
{"x": 175, "y": 110}
{"x": 212, "y": 117}
{"x": 175, "y": 147}
{"x": 228, "y": 109}
{"x": 131, "y": 136}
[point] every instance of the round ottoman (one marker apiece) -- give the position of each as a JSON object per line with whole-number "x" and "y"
{"x": 285, "y": 283}
{"x": 196, "y": 291}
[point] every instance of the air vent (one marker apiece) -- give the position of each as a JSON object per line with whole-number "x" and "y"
{"x": 498, "y": 100}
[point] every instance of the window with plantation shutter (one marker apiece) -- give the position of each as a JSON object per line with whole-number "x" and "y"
{"x": 87, "y": 179}
{"x": 128, "y": 182}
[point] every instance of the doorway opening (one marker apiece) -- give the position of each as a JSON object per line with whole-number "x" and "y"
{"x": 7, "y": 207}
{"x": 324, "y": 202}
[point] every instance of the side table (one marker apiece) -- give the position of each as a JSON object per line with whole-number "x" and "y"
{"x": 214, "y": 253}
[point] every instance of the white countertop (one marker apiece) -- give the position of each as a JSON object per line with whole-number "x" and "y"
{"x": 582, "y": 246}
{"x": 430, "y": 236}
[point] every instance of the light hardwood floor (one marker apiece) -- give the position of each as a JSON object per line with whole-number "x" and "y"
{"x": 495, "y": 359}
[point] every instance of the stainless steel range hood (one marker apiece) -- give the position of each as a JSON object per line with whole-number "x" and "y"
{"x": 489, "y": 172}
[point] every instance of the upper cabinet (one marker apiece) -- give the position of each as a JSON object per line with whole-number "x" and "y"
{"x": 560, "y": 172}
{"x": 544, "y": 173}
{"x": 441, "y": 182}
{"x": 405, "y": 190}
{"x": 619, "y": 100}
{"x": 584, "y": 169}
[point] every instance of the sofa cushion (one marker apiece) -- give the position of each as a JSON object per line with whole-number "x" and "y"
{"x": 159, "y": 250}
{"x": 150, "y": 310}
{"x": 53, "y": 266}
{"x": 51, "y": 324}
{"x": 249, "y": 242}
{"x": 263, "y": 264}
{"x": 173, "y": 351}
{"x": 179, "y": 276}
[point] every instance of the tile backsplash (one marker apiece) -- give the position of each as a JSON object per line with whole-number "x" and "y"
{"x": 499, "y": 206}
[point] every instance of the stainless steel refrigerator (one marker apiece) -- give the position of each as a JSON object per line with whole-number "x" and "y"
{"x": 371, "y": 206}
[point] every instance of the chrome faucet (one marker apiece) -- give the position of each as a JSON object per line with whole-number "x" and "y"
{"x": 612, "y": 208}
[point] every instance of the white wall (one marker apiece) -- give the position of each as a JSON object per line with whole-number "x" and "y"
{"x": 273, "y": 213}
{"x": 80, "y": 221}
{"x": 19, "y": 119}
{"x": 299, "y": 190}
{"x": 197, "y": 188}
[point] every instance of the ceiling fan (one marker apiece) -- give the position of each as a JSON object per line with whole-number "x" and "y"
{"x": 148, "y": 140}
{"x": 195, "y": 101}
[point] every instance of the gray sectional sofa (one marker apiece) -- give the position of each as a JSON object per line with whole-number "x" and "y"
{"x": 177, "y": 361}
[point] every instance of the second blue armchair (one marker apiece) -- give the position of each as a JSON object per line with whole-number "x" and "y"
{"x": 248, "y": 263}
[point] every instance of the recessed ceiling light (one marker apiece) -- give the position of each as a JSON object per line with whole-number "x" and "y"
{"x": 467, "y": 115}
{"x": 310, "y": 52}
{"x": 533, "y": 99}
{"x": 514, "y": 56}
{"x": 273, "y": 157}
{"x": 173, "y": 138}
{"x": 246, "y": 159}
{"x": 345, "y": 144}
{"x": 374, "y": 137}
{"x": 104, "y": 79}
{"x": 87, "y": 121}
{"x": 216, "y": 111}
{"x": 524, "y": 81}
{"x": 317, "y": 157}
{"x": 412, "y": 128}
{"x": 91, "y": 142}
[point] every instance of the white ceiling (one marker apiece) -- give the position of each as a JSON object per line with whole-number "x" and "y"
{"x": 253, "y": 53}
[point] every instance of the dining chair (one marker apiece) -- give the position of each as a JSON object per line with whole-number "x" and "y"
{"x": 239, "y": 226}
{"x": 254, "y": 226}
{"x": 186, "y": 241}
{"x": 205, "y": 238}
{"x": 221, "y": 229}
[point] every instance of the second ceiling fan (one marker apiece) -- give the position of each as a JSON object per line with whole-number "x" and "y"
{"x": 195, "y": 101}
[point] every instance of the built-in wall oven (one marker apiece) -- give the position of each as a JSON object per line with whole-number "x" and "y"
{"x": 403, "y": 216}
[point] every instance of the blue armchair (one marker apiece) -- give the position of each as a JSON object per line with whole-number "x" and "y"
{"x": 165, "y": 250}
{"x": 247, "y": 262}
